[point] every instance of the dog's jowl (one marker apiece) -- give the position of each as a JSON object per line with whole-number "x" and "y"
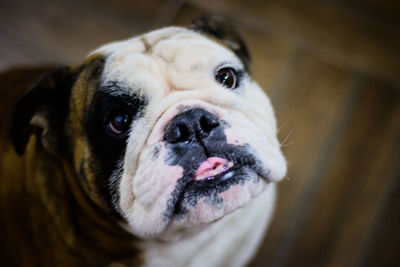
{"x": 160, "y": 150}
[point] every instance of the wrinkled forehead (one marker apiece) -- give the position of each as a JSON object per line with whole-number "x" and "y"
{"x": 156, "y": 58}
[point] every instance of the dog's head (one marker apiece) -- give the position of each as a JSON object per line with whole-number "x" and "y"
{"x": 167, "y": 130}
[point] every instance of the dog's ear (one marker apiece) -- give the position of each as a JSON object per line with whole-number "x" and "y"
{"x": 43, "y": 111}
{"x": 224, "y": 32}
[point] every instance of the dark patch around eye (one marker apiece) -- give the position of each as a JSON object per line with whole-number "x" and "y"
{"x": 107, "y": 147}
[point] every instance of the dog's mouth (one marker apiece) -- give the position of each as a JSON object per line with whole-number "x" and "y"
{"x": 214, "y": 168}
{"x": 213, "y": 176}
{"x": 218, "y": 180}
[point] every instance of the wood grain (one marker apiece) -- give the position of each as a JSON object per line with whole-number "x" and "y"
{"x": 307, "y": 116}
{"x": 66, "y": 31}
{"x": 336, "y": 228}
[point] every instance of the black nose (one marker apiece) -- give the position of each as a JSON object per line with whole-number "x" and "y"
{"x": 191, "y": 125}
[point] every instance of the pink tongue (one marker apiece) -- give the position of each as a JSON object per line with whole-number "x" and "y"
{"x": 211, "y": 167}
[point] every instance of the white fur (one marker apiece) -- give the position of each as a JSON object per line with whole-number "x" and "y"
{"x": 175, "y": 67}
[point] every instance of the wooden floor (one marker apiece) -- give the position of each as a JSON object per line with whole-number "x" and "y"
{"x": 332, "y": 70}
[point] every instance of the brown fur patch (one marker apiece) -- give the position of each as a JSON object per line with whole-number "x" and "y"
{"x": 46, "y": 217}
{"x": 81, "y": 97}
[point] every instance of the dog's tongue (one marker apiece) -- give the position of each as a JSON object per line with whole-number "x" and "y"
{"x": 211, "y": 167}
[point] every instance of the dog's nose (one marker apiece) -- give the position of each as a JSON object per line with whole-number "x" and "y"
{"x": 191, "y": 125}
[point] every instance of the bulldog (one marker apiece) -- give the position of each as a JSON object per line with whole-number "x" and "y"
{"x": 160, "y": 150}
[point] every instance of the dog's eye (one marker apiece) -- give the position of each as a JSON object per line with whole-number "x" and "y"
{"x": 119, "y": 122}
{"x": 227, "y": 77}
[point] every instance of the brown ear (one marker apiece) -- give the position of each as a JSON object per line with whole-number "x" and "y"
{"x": 224, "y": 32}
{"x": 43, "y": 111}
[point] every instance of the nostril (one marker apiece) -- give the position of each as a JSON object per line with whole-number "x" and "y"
{"x": 207, "y": 123}
{"x": 177, "y": 133}
{"x": 183, "y": 132}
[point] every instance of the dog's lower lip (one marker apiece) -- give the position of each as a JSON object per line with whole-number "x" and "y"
{"x": 229, "y": 174}
{"x": 224, "y": 175}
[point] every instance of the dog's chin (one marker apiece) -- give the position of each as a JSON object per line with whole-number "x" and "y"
{"x": 206, "y": 201}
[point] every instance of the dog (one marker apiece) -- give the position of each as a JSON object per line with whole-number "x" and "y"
{"x": 159, "y": 150}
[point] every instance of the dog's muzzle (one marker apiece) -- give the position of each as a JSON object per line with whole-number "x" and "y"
{"x": 196, "y": 141}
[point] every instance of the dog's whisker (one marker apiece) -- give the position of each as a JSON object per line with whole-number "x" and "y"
{"x": 284, "y": 142}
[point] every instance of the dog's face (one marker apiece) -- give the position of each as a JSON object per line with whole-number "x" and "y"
{"x": 167, "y": 129}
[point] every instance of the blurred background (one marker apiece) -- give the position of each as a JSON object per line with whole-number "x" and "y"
{"x": 332, "y": 71}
